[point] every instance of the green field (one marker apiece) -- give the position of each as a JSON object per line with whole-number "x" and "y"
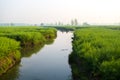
{"x": 15, "y": 39}
{"x": 96, "y": 54}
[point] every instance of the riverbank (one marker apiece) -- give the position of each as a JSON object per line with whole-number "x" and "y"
{"x": 9, "y": 53}
{"x": 15, "y": 39}
{"x": 47, "y": 63}
{"x": 95, "y": 54}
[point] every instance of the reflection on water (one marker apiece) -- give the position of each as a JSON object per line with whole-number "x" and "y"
{"x": 12, "y": 74}
{"x": 27, "y": 52}
{"x": 44, "y": 63}
{"x": 49, "y": 42}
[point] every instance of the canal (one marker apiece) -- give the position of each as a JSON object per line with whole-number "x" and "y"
{"x": 48, "y": 63}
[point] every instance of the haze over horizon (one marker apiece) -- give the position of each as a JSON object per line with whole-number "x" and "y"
{"x": 52, "y": 11}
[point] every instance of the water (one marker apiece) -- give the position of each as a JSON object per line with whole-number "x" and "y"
{"x": 49, "y": 63}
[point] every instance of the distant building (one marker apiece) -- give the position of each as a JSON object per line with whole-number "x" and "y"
{"x": 85, "y": 24}
{"x": 42, "y": 24}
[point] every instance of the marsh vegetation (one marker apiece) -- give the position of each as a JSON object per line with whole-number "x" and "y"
{"x": 13, "y": 40}
{"x": 96, "y": 54}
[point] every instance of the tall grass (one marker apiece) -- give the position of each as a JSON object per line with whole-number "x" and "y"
{"x": 28, "y": 36}
{"x": 13, "y": 39}
{"x": 8, "y": 46}
{"x": 9, "y": 53}
{"x": 98, "y": 50}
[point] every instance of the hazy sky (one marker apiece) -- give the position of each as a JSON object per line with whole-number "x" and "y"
{"x": 51, "y": 11}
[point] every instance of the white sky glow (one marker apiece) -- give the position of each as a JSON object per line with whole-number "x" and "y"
{"x": 51, "y": 11}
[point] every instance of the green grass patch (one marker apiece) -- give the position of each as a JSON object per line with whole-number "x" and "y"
{"x": 15, "y": 39}
{"x": 99, "y": 50}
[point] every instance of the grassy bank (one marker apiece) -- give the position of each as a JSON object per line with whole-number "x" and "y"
{"x": 9, "y": 53}
{"x": 96, "y": 54}
{"x": 13, "y": 39}
{"x": 28, "y": 36}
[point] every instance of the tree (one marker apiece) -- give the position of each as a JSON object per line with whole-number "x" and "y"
{"x": 11, "y": 24}
{"x": 72, "y": 22}
{"x": 42, "y": 24}
{"x": 75, "y": 22}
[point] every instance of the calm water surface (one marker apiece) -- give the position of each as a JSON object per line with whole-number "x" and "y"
{"x": 49, "y": 63}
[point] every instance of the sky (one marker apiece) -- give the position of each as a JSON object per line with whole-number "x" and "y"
{"x": 52, "y": 11}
